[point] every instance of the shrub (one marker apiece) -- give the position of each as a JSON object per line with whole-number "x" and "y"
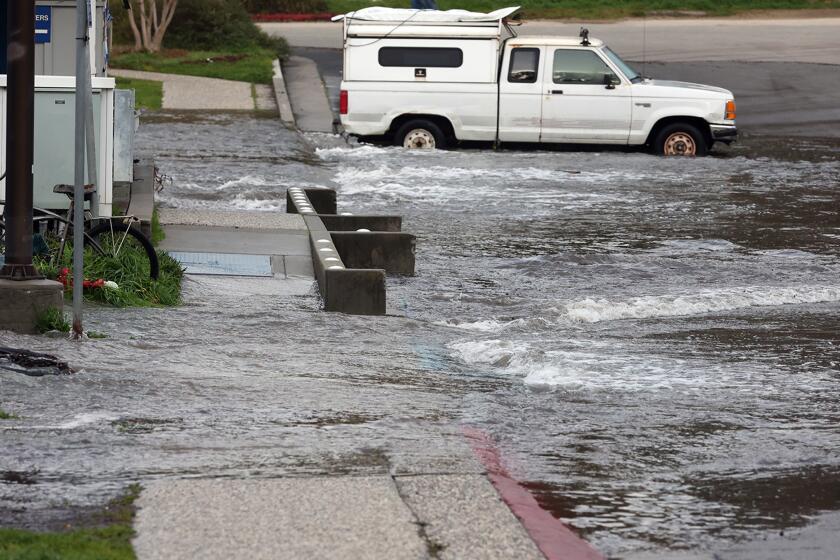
{"x": 208, "y": 25}
{"x": 285, "y": 6}
{"x": 214, "y": 25}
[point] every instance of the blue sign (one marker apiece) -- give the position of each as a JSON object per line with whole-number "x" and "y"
{"x": 43, "y": 24}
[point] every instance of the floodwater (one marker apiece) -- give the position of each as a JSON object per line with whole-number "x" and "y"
{"x": 653, "y": 343}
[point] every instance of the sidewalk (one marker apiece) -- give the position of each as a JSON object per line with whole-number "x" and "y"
{"x": 346, "y": 517}
{"x": 196, "y": 93}
{"x": 307, "y": 95}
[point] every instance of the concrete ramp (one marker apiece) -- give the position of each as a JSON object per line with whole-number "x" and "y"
{"x": 307, "y": 95}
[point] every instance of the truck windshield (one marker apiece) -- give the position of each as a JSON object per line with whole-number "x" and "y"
{"x": 625, "y": 68}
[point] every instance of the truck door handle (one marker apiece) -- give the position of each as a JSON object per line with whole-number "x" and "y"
{"x": 557, "y": 92}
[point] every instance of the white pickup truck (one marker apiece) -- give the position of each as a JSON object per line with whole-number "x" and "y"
{"x": 429, "y": 79}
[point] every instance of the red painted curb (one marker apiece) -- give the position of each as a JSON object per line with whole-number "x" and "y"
{"x": 290, "y": 17}
{"x": 552, "y": 537}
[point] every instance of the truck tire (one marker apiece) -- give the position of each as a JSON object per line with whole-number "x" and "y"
{"x": 420, "y": 134}
{"x": 680, "y": 139}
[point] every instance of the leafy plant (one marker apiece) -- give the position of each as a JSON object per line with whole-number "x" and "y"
{"x": 129, "y": 270}
{"x": 52, "y": 319}
{"x": 7, "y": 415}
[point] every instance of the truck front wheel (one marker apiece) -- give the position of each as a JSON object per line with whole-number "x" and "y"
{"x": 680, "y": 139}
{"x": 420, "y": 134}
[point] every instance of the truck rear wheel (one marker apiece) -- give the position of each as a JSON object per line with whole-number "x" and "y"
{"x": 680, "y": 139}
{"x": 420, "y": 134}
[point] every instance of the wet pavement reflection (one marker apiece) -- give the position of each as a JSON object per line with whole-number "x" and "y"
{"x": 652, "y": 342}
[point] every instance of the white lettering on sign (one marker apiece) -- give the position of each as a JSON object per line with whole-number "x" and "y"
{"x": 42, "y": 17}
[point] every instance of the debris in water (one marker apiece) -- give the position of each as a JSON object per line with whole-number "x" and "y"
{"x": 32, "y": 363}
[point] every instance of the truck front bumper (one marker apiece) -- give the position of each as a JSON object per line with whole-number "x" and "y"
{"x": 724, "y": 132}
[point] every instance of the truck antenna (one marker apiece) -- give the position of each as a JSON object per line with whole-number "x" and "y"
{"x": 584, "y": 35}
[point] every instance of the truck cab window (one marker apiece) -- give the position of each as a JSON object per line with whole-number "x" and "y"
{"x": 523, "y": 65}
{"x": 580, "y": 67}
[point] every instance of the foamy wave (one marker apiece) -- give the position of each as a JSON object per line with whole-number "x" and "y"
{"x": 343, "y": 153}
{"x": 490, "y": 352}
{"x": 707, "y": 301}
{"x": 247, "y": 181}
{"x": 496, "y": 326}
{"x": 598, "y": 365}
{"x": 83, "y": 419}
{"x": 484, "y": 325}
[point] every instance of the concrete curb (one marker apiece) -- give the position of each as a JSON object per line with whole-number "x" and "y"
{"x": 283, "y": 103}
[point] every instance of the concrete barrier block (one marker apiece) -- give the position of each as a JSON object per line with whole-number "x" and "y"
{"x": 352, "y": 223}
{"x": 393, "y": 252}
{"x": 21, "y": 302}
{"x": 323, "y": 201}
{"x": 355, "y": 291}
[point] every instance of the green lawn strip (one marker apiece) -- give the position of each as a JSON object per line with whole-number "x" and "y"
{"x": 601, "y": 9}
{"x": 253, "y": 65}
{"x": 109, "y": 537}
{"x": 148, "y": 94}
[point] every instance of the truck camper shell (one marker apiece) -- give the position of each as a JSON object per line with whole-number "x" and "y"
{"x": 400, "y": 45}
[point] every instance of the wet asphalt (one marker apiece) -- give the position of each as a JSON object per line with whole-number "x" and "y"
{"x": 652, "y": 343}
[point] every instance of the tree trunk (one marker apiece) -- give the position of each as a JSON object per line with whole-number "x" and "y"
{"x": 138, "y": 40}
{"x": 150, "y": 32}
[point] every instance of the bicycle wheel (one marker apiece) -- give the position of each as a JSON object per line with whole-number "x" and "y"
{"x": 112, "y": 238}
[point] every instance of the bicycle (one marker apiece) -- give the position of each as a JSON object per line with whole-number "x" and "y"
{"x": 108, "y": 237}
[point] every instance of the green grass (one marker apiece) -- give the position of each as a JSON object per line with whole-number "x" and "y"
{"x": 158, "y": 234}
{"x": 7, "y": 415}
{"x": 253, "y": 65}
{"x": 601, "y": 9}
{"x": 148, "y": 93}
{"x": 130, "y": 270}
{"x": 52, "y": 319}
{"x": 111, "y": 540}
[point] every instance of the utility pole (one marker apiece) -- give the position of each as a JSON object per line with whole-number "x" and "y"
{"x": 24, "y": 295}
{"x": 20, "y": 141}
{"x": 82, "y": 104}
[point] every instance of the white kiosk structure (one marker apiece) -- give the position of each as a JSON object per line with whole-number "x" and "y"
{"x": 55, "y": 87}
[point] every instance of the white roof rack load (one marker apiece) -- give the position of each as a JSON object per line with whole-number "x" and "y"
{"x": 394, "y": 23}
{"x": 405, "y": 16}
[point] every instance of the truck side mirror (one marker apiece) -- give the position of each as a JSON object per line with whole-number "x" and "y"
{"x": 611, "y": 80}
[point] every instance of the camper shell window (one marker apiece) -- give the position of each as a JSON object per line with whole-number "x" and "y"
{"x": 421, "y": 57}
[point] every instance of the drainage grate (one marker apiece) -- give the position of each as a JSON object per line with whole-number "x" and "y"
{"x": 224, "y": 264}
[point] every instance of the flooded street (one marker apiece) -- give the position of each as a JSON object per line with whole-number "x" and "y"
{"x": 654, "y": 344}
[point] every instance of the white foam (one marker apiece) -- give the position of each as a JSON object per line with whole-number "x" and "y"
{"x": 247, "y": 181}
{"x": 600, "y": 365}
{"x": 706, "y": 301}
{"x": 85, "y": 419}
{"x": 491, "y": 352}
{"x": 483, "y": 325}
